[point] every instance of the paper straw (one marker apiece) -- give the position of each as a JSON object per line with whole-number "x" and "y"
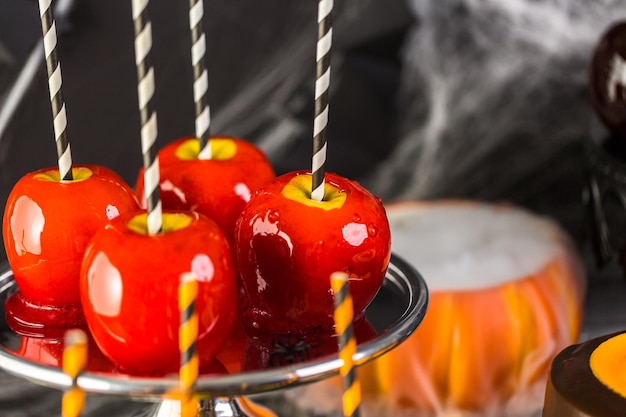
{"x": 145, "y": 91}
{"x": 187, "y": 337}
{"x": 201, "y": 78}
{"x": 55, "y": 83}
{"x": 343, "y": 315}
{"x": 322, "y": 82}
{"x": 74, "y": 362}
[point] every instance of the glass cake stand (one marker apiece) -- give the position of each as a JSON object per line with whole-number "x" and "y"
{"x": 394, "y": 314}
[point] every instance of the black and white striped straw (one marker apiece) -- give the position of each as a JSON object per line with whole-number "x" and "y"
{"x": 55, "y": 83}
{"x": 322, "y": 82}
{"x": 200, "y": 77}
{"x": 145, "y": 91}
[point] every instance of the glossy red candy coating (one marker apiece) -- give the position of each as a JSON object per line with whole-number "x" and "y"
{"x": 47, "y": 225}
{"x": 217, "y": 188}
{"x": 129, "y": 286}
{"x": 26, "y": 318}
{"x": 607, "y": 82}
{"x": 231, "y": 354}
{"x": 287, "y": 349}
{"x": 49, "y": 351}
{"x": 287, "y": 251}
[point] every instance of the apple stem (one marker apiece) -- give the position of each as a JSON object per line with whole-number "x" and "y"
{"x": 322, "y": 83}
{"x": 201, "y": 78}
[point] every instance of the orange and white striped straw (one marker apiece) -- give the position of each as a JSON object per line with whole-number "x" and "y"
{"x": 187, "y": 337}
{"x": 343, "y": 315}
{"x": 74, "y": 362}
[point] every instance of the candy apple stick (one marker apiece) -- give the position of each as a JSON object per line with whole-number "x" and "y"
{"x": 55, "y": 82}
{"x": 322, "y": 82}
{"x": 74, "y": 362}
{"x": 201, "y": 78}
{"x": 145, "y": 91}
{"x": 187, "y": 337}
{"x": 343, "y": 315}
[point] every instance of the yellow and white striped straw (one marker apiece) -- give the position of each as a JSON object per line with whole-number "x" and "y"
{"x": 187, "y": 337}
{"x": 74, "y": 362}
{"x": 343, "y": 315}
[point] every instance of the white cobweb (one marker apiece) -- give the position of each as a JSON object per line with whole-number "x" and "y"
{"x": 491, "y": 92}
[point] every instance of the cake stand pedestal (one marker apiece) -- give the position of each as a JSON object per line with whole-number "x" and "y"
{"x": 394, "y": 314}
{"x": 218, "y": 407}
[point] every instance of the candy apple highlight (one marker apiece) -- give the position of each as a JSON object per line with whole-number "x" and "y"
{"x": 129, "y": 289}
{"x": 46, "y": 227}
{"x": 217, "y": 187}
{"x": 288, "y": 245}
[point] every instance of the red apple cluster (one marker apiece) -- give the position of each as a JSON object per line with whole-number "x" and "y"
{"x": 83, "y": 246}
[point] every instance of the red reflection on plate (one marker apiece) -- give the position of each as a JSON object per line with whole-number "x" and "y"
{"x": 289, "y": 349}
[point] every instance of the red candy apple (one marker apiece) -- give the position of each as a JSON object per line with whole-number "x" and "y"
{"x": 129, "y": 287}
{"x": 288, "y": 245}
{"x": 218, "y": 187}
{"x": 47, "y": 225}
